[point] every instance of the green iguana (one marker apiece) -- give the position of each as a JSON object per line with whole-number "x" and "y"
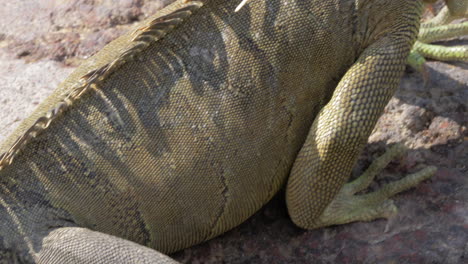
{"x": 182, "y": 129}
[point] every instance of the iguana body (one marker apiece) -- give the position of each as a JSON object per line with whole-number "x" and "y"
{"x": 183, "y": 129}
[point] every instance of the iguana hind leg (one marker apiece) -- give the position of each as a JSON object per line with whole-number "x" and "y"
{"x": 316, "y": 193}
{"x": 83, "y": 246}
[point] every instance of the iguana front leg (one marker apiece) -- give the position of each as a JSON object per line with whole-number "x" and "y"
{"x": 83, "y": 246}
{"x": 316, "y": 195}
{"x": 437, "y": 29}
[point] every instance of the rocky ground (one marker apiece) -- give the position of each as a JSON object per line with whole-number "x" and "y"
{"x": 42, "y": 41}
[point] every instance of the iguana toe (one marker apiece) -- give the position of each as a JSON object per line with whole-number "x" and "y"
{"x": 349, "y": 207}
{"x": 437, "y": 29}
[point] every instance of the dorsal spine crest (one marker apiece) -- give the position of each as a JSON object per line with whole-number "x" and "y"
{"x": 144, "y": 37}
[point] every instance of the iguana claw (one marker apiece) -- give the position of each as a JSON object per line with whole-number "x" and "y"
{"x": 241, "y": 5}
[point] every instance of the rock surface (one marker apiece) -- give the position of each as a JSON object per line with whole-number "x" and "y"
{"x": 42, "y": 41}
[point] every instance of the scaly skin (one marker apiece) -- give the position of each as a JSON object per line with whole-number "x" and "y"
{"x": 181, "y": 130}
{"x": 439, "y": 28}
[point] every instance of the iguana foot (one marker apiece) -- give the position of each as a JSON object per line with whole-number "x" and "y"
{"x": 438, "y": 29}
{"x": 348, "y": 207}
